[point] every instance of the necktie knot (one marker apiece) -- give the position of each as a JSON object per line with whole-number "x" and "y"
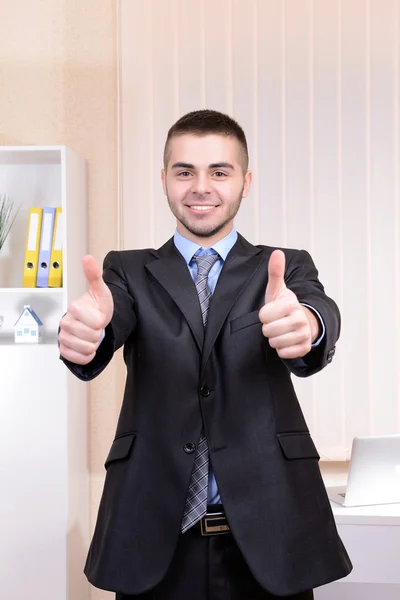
{"x": 205, "y": 263}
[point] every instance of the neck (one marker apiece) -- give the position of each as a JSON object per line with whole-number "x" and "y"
{"x": 204, "y": 241}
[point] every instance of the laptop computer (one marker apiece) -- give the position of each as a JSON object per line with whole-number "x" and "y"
{"x": 374, "y": 473}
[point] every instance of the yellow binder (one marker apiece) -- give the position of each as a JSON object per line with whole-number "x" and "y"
{"x": 32, "y": 247}
{"x": 56, "y": 258}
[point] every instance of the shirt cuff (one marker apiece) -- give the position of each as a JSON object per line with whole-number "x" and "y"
{"x": 321, "y": 337}
{"x": 103, "y": 335}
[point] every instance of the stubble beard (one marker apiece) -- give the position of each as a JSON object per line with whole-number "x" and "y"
{"x": 204, "y": 231}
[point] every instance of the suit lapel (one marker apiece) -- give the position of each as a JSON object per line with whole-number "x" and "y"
{"x": 171, "y": 271}
{"x": 241, "y": 264}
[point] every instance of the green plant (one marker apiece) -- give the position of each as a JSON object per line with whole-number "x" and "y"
{"x": 7, "y": 217}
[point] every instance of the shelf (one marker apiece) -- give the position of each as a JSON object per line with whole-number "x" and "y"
{"x": 32, "y": 177}
{"x": 30, "y": 155}
{"x": 22, "y": 290}
{"x": 42, "y": 404}
{"x": 8, "y": 341}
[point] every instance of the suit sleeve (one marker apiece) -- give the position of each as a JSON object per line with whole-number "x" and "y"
{"x": 302, "y": 278}
{"x": 122, "y": 324}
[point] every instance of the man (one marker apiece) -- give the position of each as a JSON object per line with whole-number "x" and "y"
{"x": 213, "y": 489}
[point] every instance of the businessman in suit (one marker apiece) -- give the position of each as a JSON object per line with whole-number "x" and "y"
{"x": 212, "y": 490}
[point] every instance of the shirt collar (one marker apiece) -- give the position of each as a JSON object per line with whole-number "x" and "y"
{"x": 188, "y": 248}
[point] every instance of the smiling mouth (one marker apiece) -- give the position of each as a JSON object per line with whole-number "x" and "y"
{"x": 201, "y": 208}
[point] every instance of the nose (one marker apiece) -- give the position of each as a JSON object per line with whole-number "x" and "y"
{"x": 201, "y": 185}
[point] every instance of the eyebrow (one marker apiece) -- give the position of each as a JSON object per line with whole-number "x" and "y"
{"x": 221, "y": 165}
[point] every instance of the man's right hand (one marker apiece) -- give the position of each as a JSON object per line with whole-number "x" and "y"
{"x": 81, "y": 327}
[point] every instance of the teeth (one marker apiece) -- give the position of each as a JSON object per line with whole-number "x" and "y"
{"x": 203, "y": 207}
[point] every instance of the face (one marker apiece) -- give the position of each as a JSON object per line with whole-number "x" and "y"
{"x": 204, "y": 183}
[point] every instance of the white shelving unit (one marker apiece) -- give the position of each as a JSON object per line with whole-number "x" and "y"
{"x": 44, "y": 474}
{"x": 371, "y": 535}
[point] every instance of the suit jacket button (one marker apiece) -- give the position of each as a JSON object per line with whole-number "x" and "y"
{"x": 189, "y": 448}
{"x": 205, "y": 391}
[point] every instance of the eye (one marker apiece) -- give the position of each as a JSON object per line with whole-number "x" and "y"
{"x": 184, "y": 174}
{"x": 220, "y": 174}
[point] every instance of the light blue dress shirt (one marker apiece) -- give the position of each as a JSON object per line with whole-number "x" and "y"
{"x": 188, "y": 249}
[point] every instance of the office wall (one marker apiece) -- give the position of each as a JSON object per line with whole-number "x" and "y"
{"x": 315, "y": 84}
{"x": 58, "y": 85}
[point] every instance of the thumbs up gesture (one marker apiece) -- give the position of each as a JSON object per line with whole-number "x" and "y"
{"x": 290, "y": 327}
{"x": 81, "y": 327}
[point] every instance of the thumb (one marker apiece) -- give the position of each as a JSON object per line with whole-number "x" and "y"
{"x": 276, "y": 272}
{"x": 97, "y": 287}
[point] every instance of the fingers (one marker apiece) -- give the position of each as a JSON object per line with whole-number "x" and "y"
{"x": 285, "y": 326}
{"x": 289, "y": 336}
{"x": 276, "y": 273}
{"x": 77, "y": 345}
{"x": 294, "y": 338}
{"x": 75, "y": 357}
{"x": 80, "y": 331}
{"x": 297, "y": 351}
{"x": 85, "y": 310}
{"x": 82, "y": 325}
{"x": 73, "y": 328}
{"x": 274, "y": 311}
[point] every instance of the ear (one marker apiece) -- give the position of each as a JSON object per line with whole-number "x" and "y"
{"x": 163, "y": 181}
{"x": 247, "y": 183}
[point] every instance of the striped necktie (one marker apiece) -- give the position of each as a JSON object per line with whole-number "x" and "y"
{"x": 196, "y": 500}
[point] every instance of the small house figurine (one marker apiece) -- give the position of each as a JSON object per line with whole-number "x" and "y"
{"x": 28, "y": 328}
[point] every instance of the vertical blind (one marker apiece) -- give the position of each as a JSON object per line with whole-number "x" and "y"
{"x": 315, "y": 85}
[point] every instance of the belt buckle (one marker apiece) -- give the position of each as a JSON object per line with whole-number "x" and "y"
{"x": 214, "y": 524}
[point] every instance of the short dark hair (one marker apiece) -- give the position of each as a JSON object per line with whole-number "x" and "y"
{"x": 204, "y": 122}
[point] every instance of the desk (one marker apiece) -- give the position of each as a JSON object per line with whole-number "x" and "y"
{"x": 371, "y": 535}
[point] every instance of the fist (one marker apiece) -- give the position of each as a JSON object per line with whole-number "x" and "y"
{"x": 81, "y": 327}
{"x": 290, "y": 327}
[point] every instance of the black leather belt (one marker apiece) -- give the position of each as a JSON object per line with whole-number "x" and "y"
{"x": 214, "y": 523}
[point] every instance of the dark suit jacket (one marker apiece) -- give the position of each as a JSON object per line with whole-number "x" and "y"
{"x": 227, "y": 377}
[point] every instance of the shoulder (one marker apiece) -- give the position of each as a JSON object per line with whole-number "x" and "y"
{"x": 293, "y": 255}
{"x": 125, "y": 256}
{"x": 127, "y": 263}
{"x": 138, "y": 258}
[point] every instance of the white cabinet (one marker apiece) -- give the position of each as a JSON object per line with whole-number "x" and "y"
{"x": 44, "y": 471}
{"x": 371, "y": 535}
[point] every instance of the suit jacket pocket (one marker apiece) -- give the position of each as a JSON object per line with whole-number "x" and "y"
{"x": 245, "y": 321}
{"x": 297, "y": 445}
{"x": 120, "y": 449}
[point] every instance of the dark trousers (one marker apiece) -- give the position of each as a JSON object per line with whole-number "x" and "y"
{"x": 209, "y": 568}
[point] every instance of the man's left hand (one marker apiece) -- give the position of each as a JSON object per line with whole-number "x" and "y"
{"x": 290, "y": 327}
